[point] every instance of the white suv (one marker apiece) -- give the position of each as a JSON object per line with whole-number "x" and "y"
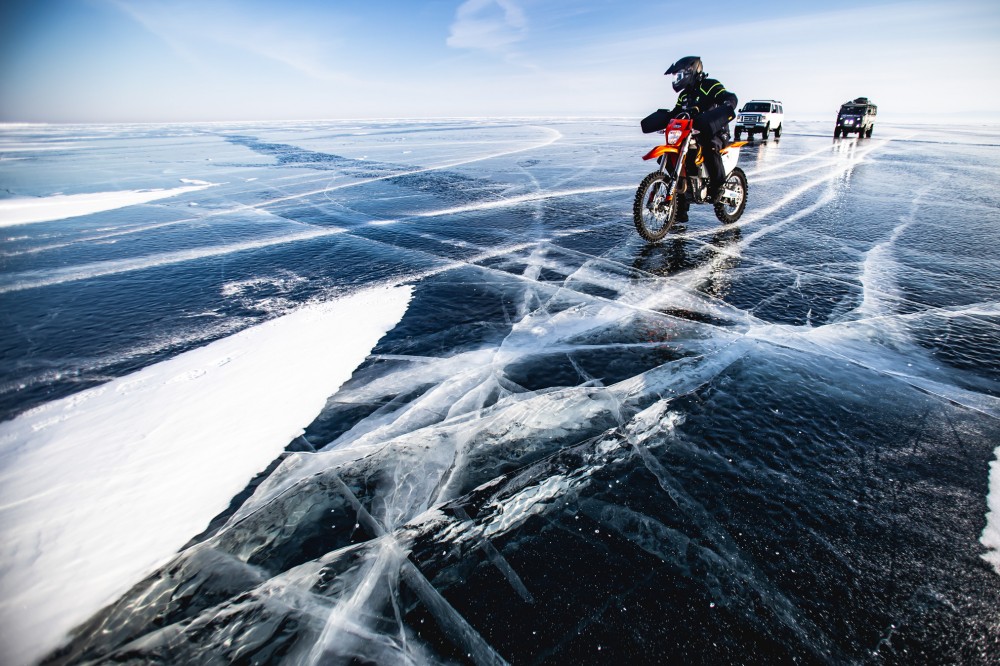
{"x": 760, "y": 115}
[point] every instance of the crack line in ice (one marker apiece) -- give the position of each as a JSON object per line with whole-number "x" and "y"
{"x": 339, "y": 629}
{"x": 685, "y": 281}
{"x": 636, "y": 307}
{"x": 811, "y": 341}
{"x": 922, "y": 308}
{"x": 793, "y": 174}
{"x": 87, "y": 239}
{"x": 826, "y": 198}
{"x": 877, "y": 278}
{"x": 499, "y": 561}
{"x": 719, "y": 307}
{"x": 783, "y": 608}
{"x": 35, "y": 279}
{"x": 454, "y": 625}
{"x": 984, "y": 312}
{"x": 554, "y": 135}
{"x": 525, "y": 198}
{"x": 782, "y": 165}
{"x": 757, "y": 215}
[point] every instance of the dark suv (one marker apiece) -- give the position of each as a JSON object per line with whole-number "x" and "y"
{"x": 856, "y": 116}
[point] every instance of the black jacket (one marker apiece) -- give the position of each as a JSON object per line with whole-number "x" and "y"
{"x": 709, "y": 103}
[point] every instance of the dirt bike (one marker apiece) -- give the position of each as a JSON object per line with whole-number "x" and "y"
{"x": 682, "y": 173}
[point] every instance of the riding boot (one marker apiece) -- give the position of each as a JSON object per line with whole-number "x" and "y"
{"x": 682, "y": 209}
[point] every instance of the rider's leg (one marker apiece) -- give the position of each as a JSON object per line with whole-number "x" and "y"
{"x": 713, "y": 164}
{"x": 716, "y": 175}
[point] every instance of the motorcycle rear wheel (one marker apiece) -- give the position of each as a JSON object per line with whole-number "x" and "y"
{"x": 737, "y": 182}
{"x": 652, "y": 214}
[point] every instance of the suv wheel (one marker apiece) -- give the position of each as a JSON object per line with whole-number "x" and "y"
{"x": 869, "y": 132}
{"x": 777, "y": 132}
{"x": 836, "y": 132}
{"x": 737, "y": 134}
{"x": 763, "y": 134}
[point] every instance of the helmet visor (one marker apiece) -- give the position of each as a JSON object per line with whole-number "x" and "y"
{"x": 680, "y": 80}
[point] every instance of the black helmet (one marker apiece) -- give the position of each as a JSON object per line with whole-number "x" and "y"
{"x": 687, "y": 71}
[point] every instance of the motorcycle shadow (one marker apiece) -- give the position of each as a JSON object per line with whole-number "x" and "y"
{"x": 679, "y": 255}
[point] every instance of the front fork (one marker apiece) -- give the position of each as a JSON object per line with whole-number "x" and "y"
{"x": 675, "y": 176}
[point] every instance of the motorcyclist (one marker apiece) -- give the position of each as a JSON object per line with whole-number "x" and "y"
{"x": 711, "y": 107}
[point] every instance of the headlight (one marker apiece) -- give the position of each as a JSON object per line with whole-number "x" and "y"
{"x": 673, "y": 136}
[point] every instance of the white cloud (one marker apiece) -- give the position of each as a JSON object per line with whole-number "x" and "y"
{"x": 487, "y": 24}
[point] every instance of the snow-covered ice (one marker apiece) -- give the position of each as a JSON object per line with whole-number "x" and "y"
{"x": 100, "y": 488}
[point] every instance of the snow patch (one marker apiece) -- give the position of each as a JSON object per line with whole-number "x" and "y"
{"x": 37, "y": 147}
{"x": 99, "y": 489}
{"x": 991, "y": 533}
{"x": 27, "y": 210}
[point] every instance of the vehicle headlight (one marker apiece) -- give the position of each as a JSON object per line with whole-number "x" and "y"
{"x": 673, "y": 136}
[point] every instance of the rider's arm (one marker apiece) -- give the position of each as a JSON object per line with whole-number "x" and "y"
{"x": 714, "y": 120}
{"x": 657, "y": 121}
{"x": 717, "y": 92}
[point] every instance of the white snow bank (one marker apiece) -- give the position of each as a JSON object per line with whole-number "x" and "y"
{"x": 991, "y": 533}
{"x": 25, "y": 210}
{"x": 100, "y": 488}
{"x": 37, "y": 147}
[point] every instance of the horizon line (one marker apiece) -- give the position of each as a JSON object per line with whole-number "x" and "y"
{"x": 991, "y": 118}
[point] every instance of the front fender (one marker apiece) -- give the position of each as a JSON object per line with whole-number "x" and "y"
{"x": 658, "y": 152}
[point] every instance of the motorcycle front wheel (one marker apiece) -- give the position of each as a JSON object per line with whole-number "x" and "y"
{"x": 652, "y": 212}
{"x": 731, "y": 210}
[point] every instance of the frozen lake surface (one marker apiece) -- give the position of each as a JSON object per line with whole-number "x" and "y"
{"x": 416, "y": 392}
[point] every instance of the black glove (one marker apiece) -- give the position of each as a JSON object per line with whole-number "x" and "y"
{"x": 656, "y": 121}
{"x": 713, "y": 120}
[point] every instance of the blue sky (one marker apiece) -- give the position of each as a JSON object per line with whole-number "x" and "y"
{"x": 210, "y": 60}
